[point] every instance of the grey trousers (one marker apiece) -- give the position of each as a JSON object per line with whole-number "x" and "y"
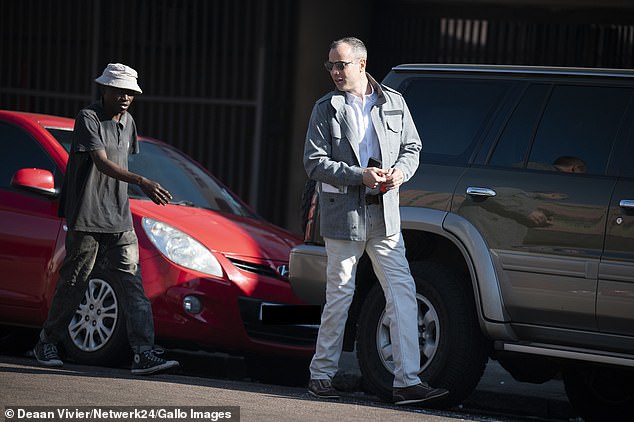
{"x": 116, "y": 255}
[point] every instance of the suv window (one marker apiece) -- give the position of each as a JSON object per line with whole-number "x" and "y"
{"x": 628, "y": 164}
{"x": 19, "y": 150}
{"x": 580, "y": 122}
{"x": 436, "y": 106}
{"x": 513, "y": 144}
{"x": 577, "y": 129}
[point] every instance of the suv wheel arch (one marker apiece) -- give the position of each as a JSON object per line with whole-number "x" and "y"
{"x": 475, "y": 254}
{"x": 453, "y": 350}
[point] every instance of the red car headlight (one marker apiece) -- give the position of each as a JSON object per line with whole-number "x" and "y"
{"x": 181, "y": 248}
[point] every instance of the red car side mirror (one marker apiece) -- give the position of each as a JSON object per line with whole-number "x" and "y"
{"x": 35, "y": 180}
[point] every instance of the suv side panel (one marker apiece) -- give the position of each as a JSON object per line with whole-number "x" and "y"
{"x": 545, "y": 276}
{"x": 547, "y": 243}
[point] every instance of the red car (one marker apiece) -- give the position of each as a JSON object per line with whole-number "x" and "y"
{"x": 210, "y": 266}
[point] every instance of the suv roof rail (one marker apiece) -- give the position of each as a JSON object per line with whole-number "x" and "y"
{"x": 542, "y": 70}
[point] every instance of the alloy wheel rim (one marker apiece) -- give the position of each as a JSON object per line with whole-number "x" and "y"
{"x": 94, "y": 321}
{"x": 428, "y": 335}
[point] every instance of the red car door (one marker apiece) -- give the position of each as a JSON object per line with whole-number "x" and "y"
{"x": 30, "y": 230}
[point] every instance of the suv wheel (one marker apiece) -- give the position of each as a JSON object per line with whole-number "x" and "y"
{"x": 600, "y": 394}
{"x": 96, "y": 335}
{"x": 453, "y": 351}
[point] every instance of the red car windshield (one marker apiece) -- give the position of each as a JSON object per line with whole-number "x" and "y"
{"x": 184, "y": 179}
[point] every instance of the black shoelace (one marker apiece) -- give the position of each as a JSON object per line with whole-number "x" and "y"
{"x": 50, "y": 351}
{"x": 151, "y": 355}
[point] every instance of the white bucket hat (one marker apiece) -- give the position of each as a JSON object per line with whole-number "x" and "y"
{"x": 121, "y": 76}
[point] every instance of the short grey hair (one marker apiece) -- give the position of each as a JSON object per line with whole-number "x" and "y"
{"x": 358, "y": 48}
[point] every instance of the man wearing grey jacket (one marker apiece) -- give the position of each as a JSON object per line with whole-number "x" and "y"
{"x": 361, "y": 145}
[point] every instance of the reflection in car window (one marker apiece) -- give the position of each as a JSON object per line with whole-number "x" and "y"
{"x": 186, "y": 181}
{"x": 580, "y": 122}
{"x": 514, "y": 142}
{"x": 20, "y": 150}
{"x": 438, "y": 104}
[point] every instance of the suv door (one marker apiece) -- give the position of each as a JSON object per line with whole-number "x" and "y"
{"x": 540, "y": 199}
{"x": 452, "y": 114}
{"x": 29, "y": 229}
{"x": 615, "y": 298}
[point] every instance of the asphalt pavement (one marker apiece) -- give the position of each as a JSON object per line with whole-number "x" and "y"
{"x": 76, "y": 392}
{"x": 497, "y": 395}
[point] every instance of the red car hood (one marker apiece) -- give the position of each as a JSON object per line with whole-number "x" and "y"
{"x": 233, "y": 236}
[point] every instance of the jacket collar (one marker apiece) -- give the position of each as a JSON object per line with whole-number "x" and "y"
{"x": 338, "y": 102}
{"x": 338, "y": 98}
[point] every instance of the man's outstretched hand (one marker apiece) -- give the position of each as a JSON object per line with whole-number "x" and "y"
{"x": 157, "y": 193}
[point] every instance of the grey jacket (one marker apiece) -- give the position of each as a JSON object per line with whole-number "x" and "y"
{"x": 331, "y": 156}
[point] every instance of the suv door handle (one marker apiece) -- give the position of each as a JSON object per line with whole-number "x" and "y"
{"x": 627, "y": 203}
{"x": 476, "y": 191}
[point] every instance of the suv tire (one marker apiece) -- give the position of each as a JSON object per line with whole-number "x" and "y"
{"x": 453, "y": 351}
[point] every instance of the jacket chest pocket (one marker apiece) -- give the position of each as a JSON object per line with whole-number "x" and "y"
{"x": 394, "y": 123}
{"x": 394, "y": 126}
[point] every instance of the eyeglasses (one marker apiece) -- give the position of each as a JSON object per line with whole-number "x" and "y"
{"x": 339, "y": 65}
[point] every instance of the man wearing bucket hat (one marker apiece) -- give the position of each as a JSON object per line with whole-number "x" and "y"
{"x": 100, "y": 235}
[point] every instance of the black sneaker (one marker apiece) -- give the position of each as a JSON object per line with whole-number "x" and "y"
{"x": 417, "y": 394}
{"x": 322, "y": 389}
{"x": 46, "y": 354}
{"x": 146, "y": 363}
